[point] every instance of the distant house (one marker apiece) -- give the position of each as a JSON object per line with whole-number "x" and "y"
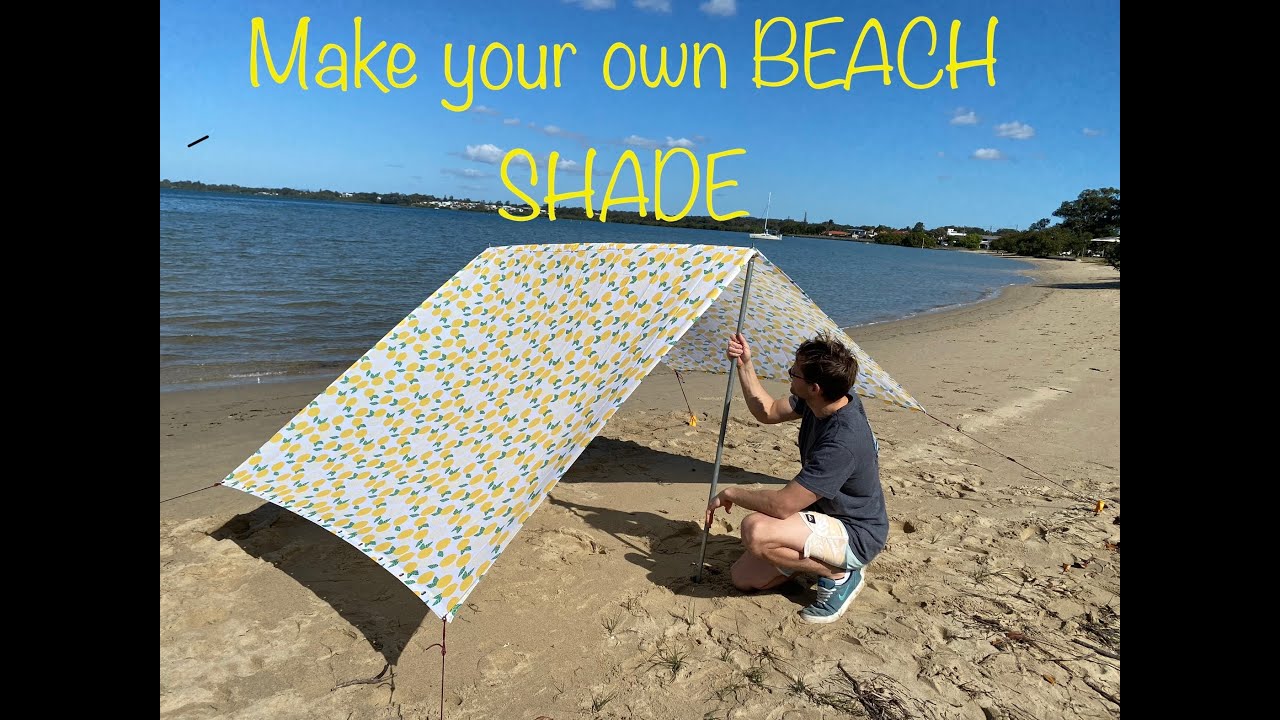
{"x": 837, "y": 233}
{"x": 985, "y": 241}
{"x": 952, "y": 232}
{"x": 1097, "y": 246}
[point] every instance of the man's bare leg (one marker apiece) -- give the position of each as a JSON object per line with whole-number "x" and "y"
{"x": 772, "y": 544}
{"x": 755, "y": 573}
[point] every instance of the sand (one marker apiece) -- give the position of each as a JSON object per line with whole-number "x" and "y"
{"x": 997, "y": 596}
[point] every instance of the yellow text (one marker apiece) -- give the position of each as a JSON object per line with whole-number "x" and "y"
{"x": 871, "y": 27}
{"x": 627, "y": 160}
{"x": 497, "y": 67}
{"x": 661, "y": 74}
{"x": 333, "y": 76}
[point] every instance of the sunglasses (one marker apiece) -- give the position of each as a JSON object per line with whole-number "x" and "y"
{"x": 796, "y": 375}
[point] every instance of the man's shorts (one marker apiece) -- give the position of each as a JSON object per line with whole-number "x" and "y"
{"x": 829, "y": 541}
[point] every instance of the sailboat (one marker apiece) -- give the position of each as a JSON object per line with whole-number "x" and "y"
{"x": 766, "y": 235}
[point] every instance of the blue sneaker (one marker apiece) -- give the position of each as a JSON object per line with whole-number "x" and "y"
{"x": 833, "y": 599}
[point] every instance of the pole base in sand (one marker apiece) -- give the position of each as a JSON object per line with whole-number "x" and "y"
{"x": 707, "y": 569}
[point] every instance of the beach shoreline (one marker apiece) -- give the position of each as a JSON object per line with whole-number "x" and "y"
{"x": 990, "y": 563}
{"x": 329, "y": 372}
{"x": 264, "y": 403}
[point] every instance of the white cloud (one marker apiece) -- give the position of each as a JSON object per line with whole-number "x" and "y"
{"x": 465, "y": 172}
{"x": 483, "y": 110}
{"x": 486, "y": 153}
{"x": 511, "y": 121}
{"x": 670, "y": 142}
{"x": 987, "y": 154}
{"x": 592, "y": 4}
{"x": 1090, "y": 132}
{"x": 557, "y": 131}
{"x": 565, "y": 164}
{"x": 963, "y": 116}
{"x": 724, "y": 8}
{"x": 637, "y": 141}
{"x": 1015, "y": 130}
{"x": 662, "y": 6}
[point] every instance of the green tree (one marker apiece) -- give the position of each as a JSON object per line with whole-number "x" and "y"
{"x": 1095, "y": 213}
{"x": 1112, "y": 255}
{"x": 1040, "y": 224}
{"x": 1040, "y": 244}
{"x": 918, "y": 238}
{"x": 1069, "y": 241}
{"x": 1006, "y": 243}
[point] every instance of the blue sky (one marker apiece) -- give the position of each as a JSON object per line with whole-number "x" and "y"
{"x": 1002, "y": 156}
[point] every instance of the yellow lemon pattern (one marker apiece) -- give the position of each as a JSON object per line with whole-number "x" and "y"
{"x": 779, "y": 316}
{"x": 432, "y": 450}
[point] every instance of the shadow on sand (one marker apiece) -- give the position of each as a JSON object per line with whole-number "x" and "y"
{"x": 378, "y": 605}
{"x": 388, "y": 614}
{"x": 671, "y": 555}
{"x": 669, "y": 548}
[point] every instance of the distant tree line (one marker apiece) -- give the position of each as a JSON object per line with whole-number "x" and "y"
{"x": 744, "y": 224}
{"x": 372, "y": 198}
{"x": 1095, "y": 213}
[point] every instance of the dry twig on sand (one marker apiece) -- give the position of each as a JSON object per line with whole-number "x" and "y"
{"x": 1013, "y": 712}
{"x": 1051, "y": 650}
{"x": 1101, "y": 691}
{"x": 1095, "y": 648}
{"x": 1105, "y": 626}
{"x": 885, "y": 699}
{"x": 388, "y": 670}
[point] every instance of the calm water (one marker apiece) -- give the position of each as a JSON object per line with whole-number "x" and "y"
{"x": 254, "y": 289}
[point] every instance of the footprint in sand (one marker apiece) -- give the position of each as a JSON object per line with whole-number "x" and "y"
{"x": 501, "y": 664}
{"x": 564, "y": 544}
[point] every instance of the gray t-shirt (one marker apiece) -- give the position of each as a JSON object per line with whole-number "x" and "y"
{"x": 840, "y": 463}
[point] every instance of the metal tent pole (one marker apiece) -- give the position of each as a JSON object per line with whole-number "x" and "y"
{"x": 724, "y": 416}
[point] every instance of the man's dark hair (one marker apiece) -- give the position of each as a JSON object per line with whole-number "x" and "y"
{"x": 827, "y": 362}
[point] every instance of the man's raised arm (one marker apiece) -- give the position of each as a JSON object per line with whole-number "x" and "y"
{"x": 762, "y": 405}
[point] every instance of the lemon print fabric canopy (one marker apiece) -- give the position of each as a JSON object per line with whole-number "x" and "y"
{"x": 432, "y": 450}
